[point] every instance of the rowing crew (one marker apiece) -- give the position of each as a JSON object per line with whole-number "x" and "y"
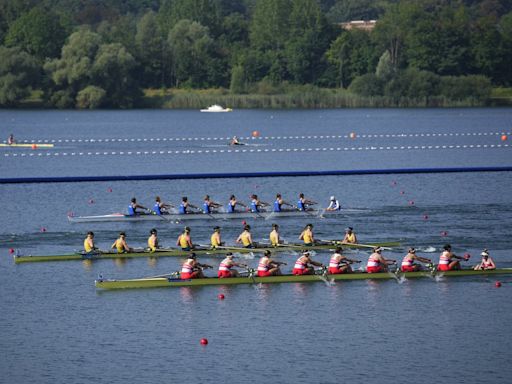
{"x": 209, "y": 206}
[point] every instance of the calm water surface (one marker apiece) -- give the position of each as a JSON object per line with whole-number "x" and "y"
{"x": 56, "y": 328}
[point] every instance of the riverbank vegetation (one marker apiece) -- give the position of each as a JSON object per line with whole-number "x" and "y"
{"x": 254, "y": 53}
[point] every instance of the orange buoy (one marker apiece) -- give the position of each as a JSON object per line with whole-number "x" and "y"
{"x": 204, "y": 341}
{"x": 352, "y": 135}
{"x": 34, "y": 146}
{"x": 497, "y": 284}
{"x": 503, "y": 137}
{"x": 221, "y": 296}
{"x": 255, "y": 134}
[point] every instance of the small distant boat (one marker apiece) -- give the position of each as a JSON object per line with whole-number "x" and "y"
{"x": 26, "y": 145}
{"x": 216, "y": 108}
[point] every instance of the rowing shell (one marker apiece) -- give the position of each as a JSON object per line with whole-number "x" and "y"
{"x": 170, "y": 252}
{"x": 26, "y": 145}
{"x": 160, "y": 282}
{"x": 173, "y": 217}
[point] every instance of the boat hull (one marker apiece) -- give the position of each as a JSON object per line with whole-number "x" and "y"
{"x": 163, "y": 282}
{"x": 26, "y": 145}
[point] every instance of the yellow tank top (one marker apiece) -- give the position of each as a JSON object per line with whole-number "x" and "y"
{"x": 87, "y": 246}
{"x": 351, "y": 238}
{"x": 215, "y": 240}
{"x": 119, "y": 246}
{"x": 308, "y": 239}
{"x": 183, "y": 241}
{"x": 274, "y": 238}
{"x": 151, "y": 243}
{"x": 245, "y": 239}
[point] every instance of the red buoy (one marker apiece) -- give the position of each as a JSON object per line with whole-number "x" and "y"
{"x": 221, "y": 296}
{"x": 204, "y": 341}
{"x": 43, "y": 229}
{"x": 444, "y": 233}
{"x": 503, "y": 137}
{"x": 109, "y": 190}
{"x": 425, "y": 217}
{"x": 497, "y": 284}
{"x": 255, "y": 133}
{"x": 11, "y": 250}
{"x": 34, "y": 146}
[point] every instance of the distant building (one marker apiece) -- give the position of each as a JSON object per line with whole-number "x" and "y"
{"x": 365, "y": 25}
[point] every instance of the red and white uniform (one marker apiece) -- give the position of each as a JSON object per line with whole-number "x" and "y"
{"x": 444, "y": 261}
{"x": 187, "y": 271}
{"x": 408, "y": 264}
{"x": 374, "y": 265}
{"x": 263, "y": 267}
{"x": 335, "y": 265}
{"x": 225, "y": 268}
{"x": 300, "y": 266}
{"x": 486, "y": 264}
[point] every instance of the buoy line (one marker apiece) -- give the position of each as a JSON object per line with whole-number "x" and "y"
{"x": 351, "y": 135}
{"x": 263, "y": 150}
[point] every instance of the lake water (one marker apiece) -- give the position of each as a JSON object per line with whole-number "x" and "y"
{"x": 56, "y": 328}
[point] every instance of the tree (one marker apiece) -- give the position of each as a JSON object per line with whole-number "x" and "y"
{"x": 151, "y": 51}
{"x": 19, "y": 71}
{"x": 90, "y": 97}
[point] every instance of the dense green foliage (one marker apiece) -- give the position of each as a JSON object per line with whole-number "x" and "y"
{"x": 92, "y": 54}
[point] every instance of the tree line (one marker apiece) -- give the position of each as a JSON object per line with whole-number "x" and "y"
{"x": 91, "y": 53}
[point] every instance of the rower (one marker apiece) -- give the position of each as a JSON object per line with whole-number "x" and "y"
{"x": 339, "y": 264}
{"x": 350, "y": 236}
{"x": 132, "y": 208}
{"x": 226, "y": 267}
{"x": 185, "y": 241}
{"x": 208, "y": 205}
{"x": 11, "y": 140}
{"x": 256, "y": 204}
{"x": 486, "y": 263}
{"x": 153, "y": 240}
{"x": 334, "y": 204}
{"x": 269, "y": 267}
{"x": 235, "y": 141}
{"x": 304, "y": 265}
{"x": 377, "y": 262}
{"x": 192, "y": 269}
{"x": 448, "y": 261}
{"x": 307, "y": 235}
{"x": 245, "y": 237}
{"x": 279, "y": 202}
{"x": 274, "y": 238}
{"x": 184, "y": 206}
{"x": 408, "y": 264}
{"x": 120, "y": 244}
{"x": 161, "y": 208}
{"x": 215, "y": 240}
{"x": 233, "y": 203}
{"x": 303, "y": 203}
{"x": 89, "y": 242}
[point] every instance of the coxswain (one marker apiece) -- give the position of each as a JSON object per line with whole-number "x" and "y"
{"x": 304, "y": 265}
{"x": 192, "y": 269}
{"x": 226, "y": 267}
{"x": 408, "y": 264}
{"x": 185, "y": 241}
{"x": 132, "y": 208}
{"x": 256, "y": 204}
{"x": 215, "y": 240}
{"x": 339, "y": 264}
{"x": 448, "y": 261}
{"x": 161, "y": 208}
{"x": 303, "y": 203}
{"x": 334, "y": 205}
{"x": 11, "y": 140}
{"x": 184, "y": 206}
{"x": 486, "y": 262}
{"x": 274, "y": 237}
{"x": 208, "y": 205}
{"x": 89, "y": 242}
{"x": 120, "y": 244}
{"x": 279, "y": 202}
{"x": 269, "y": 267}
{"x": 377, "y": 262}
{"x": 153, "y": 240}
{"x": 350, "y": 236}
{"x": 307, "y": 235}
{"x": 245, "y": 237}
{"x": 233, "y": 203}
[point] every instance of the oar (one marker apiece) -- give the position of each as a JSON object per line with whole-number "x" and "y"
{"x": 341, "y": 243}
{"x": 165, "y": 275}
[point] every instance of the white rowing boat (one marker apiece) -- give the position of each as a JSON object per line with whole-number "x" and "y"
{"x": 216, "y": 108}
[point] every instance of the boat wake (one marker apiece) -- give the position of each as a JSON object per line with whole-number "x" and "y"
{"x": 427, "y": 249}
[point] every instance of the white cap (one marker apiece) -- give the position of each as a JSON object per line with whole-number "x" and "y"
{"x": 484, "y": 253}
{"x": 333, "y": 198}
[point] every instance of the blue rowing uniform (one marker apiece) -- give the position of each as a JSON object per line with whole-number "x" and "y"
{"x": 156, "y": 209}
{"x": 231, "y": 208}
{"x": 300, "y": 205}
{"x": 182, "y": 210}
{"x": 131, "y": 210}
{"x": 277, "y": 206}
{"x": 254, "y": 206}
{"x": 206, "y": 207}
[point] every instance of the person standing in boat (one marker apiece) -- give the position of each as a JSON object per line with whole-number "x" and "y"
{"x": 208, "y": 205}
{"x": 215, "y": 239}
{"x": 185, "y": 241}
{"x": 275, "y": 239}
{"x": 269, "y": 267}
{"x": 192, "y": 269}
{"x": 120, "y": 244}
{"x": 184, "y": 206}
{"x": 304, "y": 265}
{"x": 11, "y": 140}
{"x": 89, "y": 243}
{"x": 377, "y": 262}
{"x": 486, "y": 262}
{"x": 350, "y": 236}
{"x": 307, "y": 235}
{"x": 153, "y": 240}
{"x": 334, "y": 204}
{"x": 132, "y": 208}
{"x": 245, "y": 238}
{"x": 448, "y": 261}
{"x": 226, "y": 267}
{"x": 256, "y": 204}
{"x": 233, "y": 203}
{"x": 339, "y": 264}
{"x": 161, "y": 208}
{"x": 303, "y": 203}
{"x": 279, "y": 202}
{"x": 408, "y": 264}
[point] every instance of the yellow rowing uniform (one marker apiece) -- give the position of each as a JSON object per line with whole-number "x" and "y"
{"x": 184, "y": 241}
{"x": 245, "y": 238}
{"x": 274, "y": 238}
{"x": 307, "y": 236}
{"x": 119, "y": 246}
{"x": 215, "y": 240}
{"x": 152, "y": 243}
{"x": 87, "y": 246}
{"x": 350, "y": 238}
